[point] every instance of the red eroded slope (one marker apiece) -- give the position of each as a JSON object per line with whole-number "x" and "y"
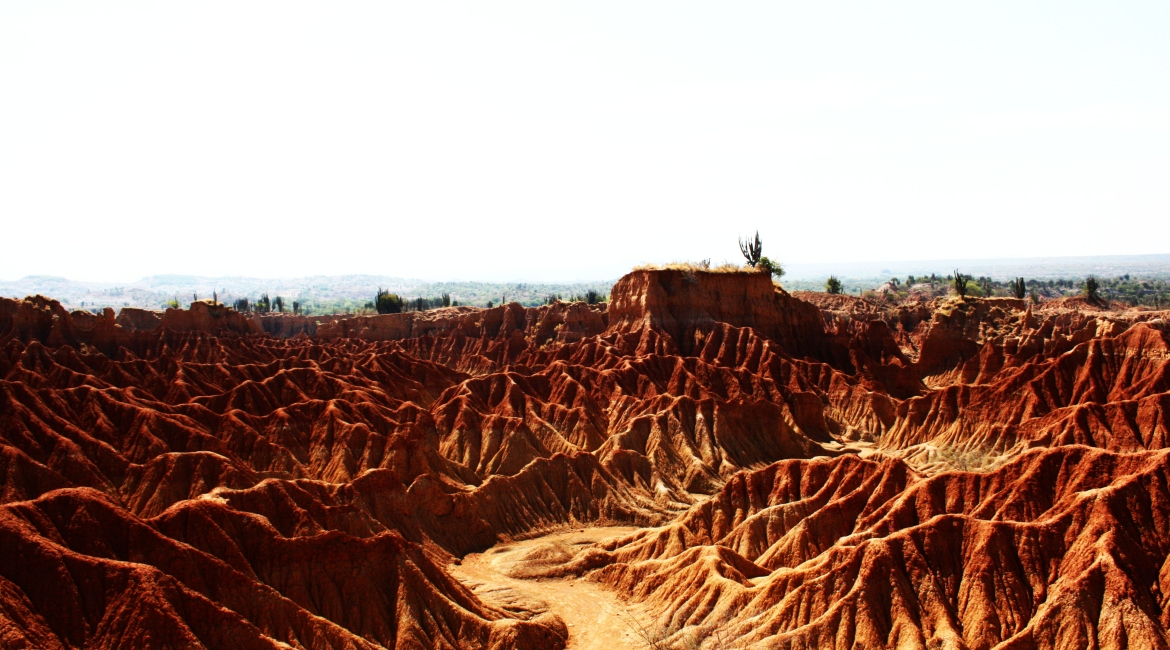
{"x": 190, "y": 478}
{"x": 1060, "y": 548}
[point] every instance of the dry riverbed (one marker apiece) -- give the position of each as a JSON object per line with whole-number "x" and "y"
{"x": 596, "y": 618}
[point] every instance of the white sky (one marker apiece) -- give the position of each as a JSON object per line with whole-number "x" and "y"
{"x": 561, "y": 141}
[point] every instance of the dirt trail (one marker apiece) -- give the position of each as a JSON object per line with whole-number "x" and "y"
{"x": 596, "y": 618}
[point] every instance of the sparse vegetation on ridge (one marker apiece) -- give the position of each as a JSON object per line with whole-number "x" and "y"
{"x": 726, "y": 267}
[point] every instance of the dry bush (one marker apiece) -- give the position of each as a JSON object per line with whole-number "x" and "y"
{"x": 663, "y": 637}
{"x": 975, "y": 459}
{"x": 545, "y": 560}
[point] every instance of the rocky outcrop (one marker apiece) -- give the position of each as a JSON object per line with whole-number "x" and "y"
{"x": 686, "y": 304}
{"x": 131, "y": 319}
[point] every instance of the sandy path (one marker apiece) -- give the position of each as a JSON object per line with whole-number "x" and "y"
{"x": 593, "y": 614}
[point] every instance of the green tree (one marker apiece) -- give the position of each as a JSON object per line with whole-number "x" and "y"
{"x": 1092, "y": 289}
{"x": 388, "y": 303}
{"x": 833, "y": 285}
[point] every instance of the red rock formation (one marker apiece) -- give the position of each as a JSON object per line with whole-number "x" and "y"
{"x": 187, "y": 478}
{"x": 1061, "y": 548}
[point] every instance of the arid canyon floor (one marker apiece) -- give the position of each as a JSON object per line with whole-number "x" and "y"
{"x": 706, "y": 462}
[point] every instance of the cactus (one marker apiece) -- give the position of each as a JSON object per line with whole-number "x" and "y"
{"x": 960, "y": 284}
{"x": 752, "y": 250}
{"x": 1018, "y": 288}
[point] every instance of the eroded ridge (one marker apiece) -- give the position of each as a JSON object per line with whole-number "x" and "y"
{"x": 418, "y": 480}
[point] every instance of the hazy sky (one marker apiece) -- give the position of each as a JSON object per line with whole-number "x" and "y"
{"x": 553, "y": 140}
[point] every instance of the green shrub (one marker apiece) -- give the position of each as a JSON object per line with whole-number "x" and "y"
{"x": 774, "y": 269}
{"x": 833, "y": 285}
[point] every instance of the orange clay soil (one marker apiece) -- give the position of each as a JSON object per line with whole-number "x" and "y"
{"x": 509, "y": 576}
{"x": 711, "y": 461}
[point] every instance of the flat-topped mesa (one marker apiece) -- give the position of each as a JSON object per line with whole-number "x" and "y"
{"x": 682, "y": 303}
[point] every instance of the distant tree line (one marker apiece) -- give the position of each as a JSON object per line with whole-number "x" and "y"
{"x": 264, "y": 305}
{"x": 591, "y": 297}
{"x": 1137, "y": 292}
{"x": 391, "y": 303}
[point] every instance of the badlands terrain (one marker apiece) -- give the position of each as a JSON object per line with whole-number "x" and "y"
{"x": 707, "y": 461}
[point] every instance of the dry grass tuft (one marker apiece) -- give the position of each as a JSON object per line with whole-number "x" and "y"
{"x": 976, "y": 459}
{"x": 696, "y": 267}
